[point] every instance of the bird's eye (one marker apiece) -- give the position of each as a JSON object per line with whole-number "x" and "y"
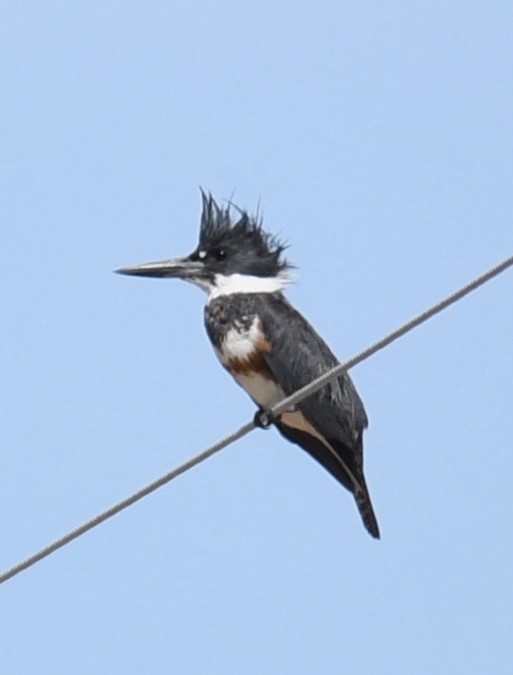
{"x": 220, "y": 254}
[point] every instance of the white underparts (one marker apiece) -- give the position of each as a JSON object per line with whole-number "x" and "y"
{"x": 245, "y": 283}
{"x": 263, "y": 391}
{"x": 240, "y": 344}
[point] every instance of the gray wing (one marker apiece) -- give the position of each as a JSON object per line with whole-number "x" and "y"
{"x": 298, "y": 356}
{"x": 336, "y": 413}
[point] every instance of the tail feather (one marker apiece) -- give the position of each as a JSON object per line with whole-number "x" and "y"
{"x": 344, "y": 463}
{"x": 364, "y": 504}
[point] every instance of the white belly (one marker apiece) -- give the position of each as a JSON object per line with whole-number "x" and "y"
{"x": 263, "y": 391}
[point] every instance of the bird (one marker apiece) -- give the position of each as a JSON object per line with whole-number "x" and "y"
{"x": 267, "y": 346}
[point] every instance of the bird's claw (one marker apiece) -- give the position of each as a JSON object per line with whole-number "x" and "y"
{"x": 263, "y": 418}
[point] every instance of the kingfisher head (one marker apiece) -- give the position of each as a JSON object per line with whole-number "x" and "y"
{"x": 234, "y": 255}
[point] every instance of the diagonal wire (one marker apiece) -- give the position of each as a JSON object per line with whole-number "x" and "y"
{"x": 336, "y": 371}
{"x": 277, "y": 409}
{"x": 125, "y": 503}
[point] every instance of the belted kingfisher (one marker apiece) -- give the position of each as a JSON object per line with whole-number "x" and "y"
{"x": 267, "y": 345}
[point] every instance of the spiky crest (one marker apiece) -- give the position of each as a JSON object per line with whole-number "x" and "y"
{"x": 220, "y": 229}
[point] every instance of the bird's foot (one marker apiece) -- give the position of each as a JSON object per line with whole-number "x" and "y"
{"x": 263, "y": 418}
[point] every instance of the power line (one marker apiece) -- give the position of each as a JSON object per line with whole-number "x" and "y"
{"x": 320, "y": 381}
{"x": 125, "y": 503}
{"x": 277, "y": 409}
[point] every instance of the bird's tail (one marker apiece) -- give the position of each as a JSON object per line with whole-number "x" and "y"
{"x": 364, "y": 504}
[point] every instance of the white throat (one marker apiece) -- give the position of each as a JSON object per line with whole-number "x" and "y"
{"x": 244, "y": 283}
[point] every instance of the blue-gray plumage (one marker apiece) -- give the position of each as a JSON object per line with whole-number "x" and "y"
{"x": 267, "y": 346}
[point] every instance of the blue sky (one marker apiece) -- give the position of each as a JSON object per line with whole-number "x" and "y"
{"x": 377, "y": 137}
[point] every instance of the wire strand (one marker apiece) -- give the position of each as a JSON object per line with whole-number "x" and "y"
{"x": 125, "y": 503}
{"x": 277, "y": 409}
{"x": 336, "y": 371}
